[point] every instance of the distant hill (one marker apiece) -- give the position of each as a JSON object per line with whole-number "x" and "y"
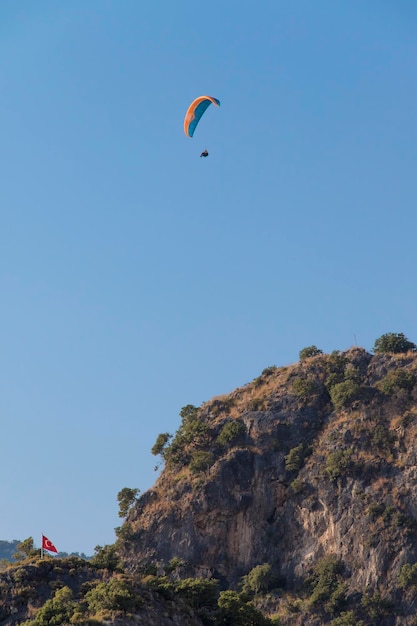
{"x": 8, "y": 549}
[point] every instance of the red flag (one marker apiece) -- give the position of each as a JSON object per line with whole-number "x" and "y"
{"x": 48, "y": 545}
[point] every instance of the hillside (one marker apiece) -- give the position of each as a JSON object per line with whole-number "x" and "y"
{"x": 298, "y": 489}
{"x": 306, "y": 463}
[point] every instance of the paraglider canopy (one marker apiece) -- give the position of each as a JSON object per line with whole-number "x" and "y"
{"x": 195, "y": 111}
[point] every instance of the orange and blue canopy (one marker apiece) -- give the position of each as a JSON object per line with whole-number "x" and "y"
{"x": 195, "y": 111}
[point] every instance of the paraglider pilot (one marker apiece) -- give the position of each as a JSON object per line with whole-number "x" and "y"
{"x": 204, "y": 153}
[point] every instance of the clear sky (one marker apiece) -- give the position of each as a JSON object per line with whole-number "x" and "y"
{"x": 136, "y": 277}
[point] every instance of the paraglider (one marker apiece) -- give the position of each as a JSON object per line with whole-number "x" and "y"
{"x": 194, "y": 114}
{"x": 195, "y": 111}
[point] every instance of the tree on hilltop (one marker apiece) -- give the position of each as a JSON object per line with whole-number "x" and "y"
{"x": 395, "y": 343}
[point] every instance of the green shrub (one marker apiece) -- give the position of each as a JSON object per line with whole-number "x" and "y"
{"x": 105, "y": 557}
{"x": 308, "y": 352}
{"x": 199, "y": 592}
{"x": 56, "y": 611}
{"x": 338, "y": 463}
{"x": 175, "y": 563}
{"x": 408, "y": 576}
{"x": 344, "y": 393}
{"x": 160, "y": 444}
{"x": 116, "y": 595}
{"x": 162, "y": 585}
{"x": 305, "y": 388}
{"x": 127, "y": 498}
{"x": 337, "y": 599}
{"x": 351, "y": 373}
{"x": 236, "y": 611}
{"x": 201, "y": 461}
{"x": 297, "y": 486}
{"x": 395, "y": 343}
{"x": 396, "y": 380}
{"x": 382, "y": 438}
{"x": 375, "y": 605}
{"x": 335, "y": 369}
{"x": 375, "y": 510}
{"x": 259, "y": 580}
{"x": 294, "y": 460}
{"x": 231, "y": 432}
{"x": 193, "y": 430}
{"x": 347, "y": 618}
{"x": 326, "y": 580}
{"x": 26, "y": 550}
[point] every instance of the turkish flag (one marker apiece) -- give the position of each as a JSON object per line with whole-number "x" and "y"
{"x": 48, "y": 545}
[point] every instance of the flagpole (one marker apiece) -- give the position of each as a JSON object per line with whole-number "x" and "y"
{"x": 42, "y": 546}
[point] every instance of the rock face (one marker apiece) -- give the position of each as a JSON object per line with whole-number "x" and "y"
{"x": 326, "y": 465}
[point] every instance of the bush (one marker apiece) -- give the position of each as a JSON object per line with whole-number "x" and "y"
{"x": 296, "y": 486}
{"x": 335, "y": 369}
{"x": 326, "y": 580}
{"x": 343, "y": 394}
{"x": 56, "y": 611}
{"x": 338, "y": 463}
{"x": 105, "y": 557}
{"x": 396, "y": 380}
{"x": 235, "y": 611}
{"x": 199, "y": 592}
{"x": 347, "y": 618}
{"x": 160, "y": 444}
{"x": 295, "y": 458}
{"x": 408, "y": 576}
{"x": 376, "y": 509}
{"x": 308, "y": 352}
{"x": 116, "y": 595}
{"x": 127, "y": 498}
{"x": 382, "y": 438}
{"x": 375, "y": 605}
{"x": 26, "y": 550}
{"x": 395, "y": 343}
{"x": 305, "y": 388}
{"x": 192, "y": 431}
{"x": 259, "y": 579}
{"x": 176, "y": 563}
{"x": 201, "y": 461}
{"x": 231, "y": 432}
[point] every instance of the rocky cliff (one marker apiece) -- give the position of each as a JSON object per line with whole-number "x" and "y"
{"x": 307, "y": 462}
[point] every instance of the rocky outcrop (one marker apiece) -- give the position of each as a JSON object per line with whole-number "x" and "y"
{"x": 349, "y": 425}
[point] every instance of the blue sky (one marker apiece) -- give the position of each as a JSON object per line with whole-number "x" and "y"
{"x": 136, "y": 277}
